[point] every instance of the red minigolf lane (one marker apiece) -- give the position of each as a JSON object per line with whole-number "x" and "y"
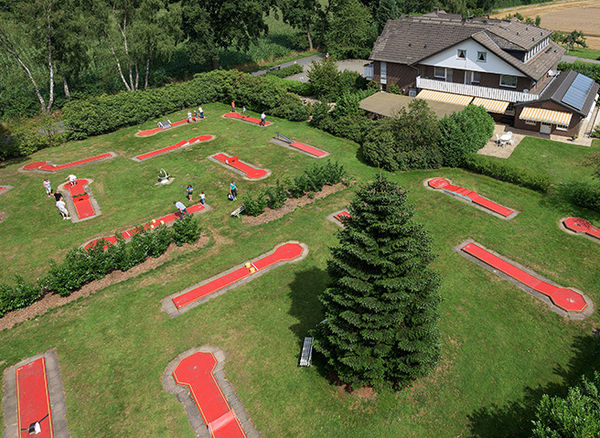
{"x": 47, "y": 167}
{"x": 247, "y": 170}
{"x": 128, "y": 234}
{"x": 81, "y": 199}
{"x": 238, "y": 116}
{"x": 4, "y": 189}
{"x": 579, "y": 225}
{"x": 445, "y": 185}
{"x": 33, "y": 400}
{"x": 564, "y": 298}
{"x": 183, "y": 143}
{"x": 342, "y": 216}
{"x": 153, "y": 131}
{"x": 309, "y": 149}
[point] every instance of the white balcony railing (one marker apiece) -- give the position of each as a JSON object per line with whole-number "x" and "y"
{"x": 475, "y": 90}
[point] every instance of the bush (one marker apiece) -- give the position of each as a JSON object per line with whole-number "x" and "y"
{"x": 583, "y": 194}
{"x": 379, "y": 147}
{"x": 291, "y": 108}
{"x": 186, "y": 230}
{"x": 254, "y": 206}
{"x": 284, "y": 72}
{"x": 585, "y": 68}
{"x": 22, "y": 294}
{"x": 276, "y": 195}
{"x": 299, "y": 88}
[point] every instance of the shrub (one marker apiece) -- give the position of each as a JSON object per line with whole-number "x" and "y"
{"x": 259, "y": 93}
{"x": 291, "y": 108}
{"x": 186, "y": 230}
{"x": 284, "y": 72}
{"x": 324, "y": 79}
{"x": 22, "y": 294}
{"x": 585, "y": 68}
{"x": 379, "y": 148}
{"x": 299, "y": 88}
{"x": 254, "y": 206}
{"x": 276, "y": 195}
{"x": 583, "y": 194}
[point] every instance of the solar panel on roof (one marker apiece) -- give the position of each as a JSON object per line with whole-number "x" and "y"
{"x": 578, "y": 91}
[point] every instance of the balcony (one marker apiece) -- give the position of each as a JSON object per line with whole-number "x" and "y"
{"x": 475, "y": 91}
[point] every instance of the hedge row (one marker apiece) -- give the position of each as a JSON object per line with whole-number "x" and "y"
{"x": 583, "y": 194}
{"x": 585, "y": 68}
{"x": 312, "y": 180}
{"x": 81, "y": 266}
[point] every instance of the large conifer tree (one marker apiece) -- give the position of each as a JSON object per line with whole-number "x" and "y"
{"x": 381, "y": 304}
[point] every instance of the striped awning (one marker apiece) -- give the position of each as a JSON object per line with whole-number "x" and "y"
{"x": 491, "y": 105}
{"x": 545, "y": 115}
{"x": 456, "y": 99}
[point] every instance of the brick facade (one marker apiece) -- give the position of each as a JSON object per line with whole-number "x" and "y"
{"x": 573, "y": 128}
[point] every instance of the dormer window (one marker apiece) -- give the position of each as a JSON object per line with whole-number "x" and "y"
{"x": 481, "y": 56}
{"x": 461, "y": 54}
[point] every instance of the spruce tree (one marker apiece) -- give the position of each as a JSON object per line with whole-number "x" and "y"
{"x": 381, "y": 306}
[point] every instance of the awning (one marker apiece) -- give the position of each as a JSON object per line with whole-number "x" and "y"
{"x": 545, "y": 115}
{"x": 456, "y": 99}
{"x": 491, "y": 105}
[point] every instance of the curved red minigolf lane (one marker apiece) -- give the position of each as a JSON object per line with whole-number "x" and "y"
{"x": 579, "y": 225}
{"x": 47, "y": 167}
{"x": 33, "y": 400}
{"x": 128, "y": 234}
{"x": 564, "y": 298}
{"x": 248, "y": 119}
{"x": 283, "y": 253}
{"x": 445, "y": 185}
{"x": 153, "y": 131}
{"x": 248, "y": 170}
{"x": 311, "y": 150}
{"x": 157, "y": 152}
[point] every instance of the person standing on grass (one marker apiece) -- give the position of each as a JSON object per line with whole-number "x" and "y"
{"x": 263, "y": 119}
{"x": 181, "y": 208}
{"x": 189, "y": 117}
{"x": 233, "y": 106}
{"x": 201, "y": 112}
{"x": 202, "y": 197}
{"x": 195, "y": 116}
{"x": 48, "y": 187}
{"x": 243, "y": 112}
{"x": 58, "y": 196}
{"x": 62, "y": 208}
{"x": 233, "y": 191}
{"x": 190, "y": 191}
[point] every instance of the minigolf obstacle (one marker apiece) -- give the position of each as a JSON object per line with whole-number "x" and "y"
{"x": 162, "y": 126}
{"x": 79, "y": 199}
{"x": 247, "y": 170}
{"x": 46, "y": 167}
{"x": 34, "y": 402}
{"x": 247, "y": 119}
{"x": 471, "y": 197}
{"x": 198, "y": 380}
{"x": 339, "y": 217}
{"x": 181, "y": 302}
{"x": 286, "y": 142}
{"x": 564, "y": 301}
{"x": 577, "y": 225}
{"x": 5, "y": 188}
{"x": 174, "y": 147}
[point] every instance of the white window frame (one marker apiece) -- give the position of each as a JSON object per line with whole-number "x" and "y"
{"x": 562, "y": 127}
{"x": 484, "y": 56}
{"x": 439, "y": 77}
{"x": 530, "y": 123}
{"x": 459, "y": 51}
{"x": 383, "y": 73}
{"x": 473, "y": 80}
{"x": 508, "y": 85}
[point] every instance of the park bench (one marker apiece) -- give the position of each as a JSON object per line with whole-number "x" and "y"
{"x": 306, "y": 355}
{"x": 237, "y": 211}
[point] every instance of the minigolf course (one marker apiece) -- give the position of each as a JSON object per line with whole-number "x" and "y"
{"x": 577, "y": 225}
{"x": 167, "y": 220}
{"x": 339, "y": 217}
{"x": 45, "y": 167}
{"x": 197, "y": 378}
{"x": 286, "y": 142}
{"x": 149, "y": 132}
{"x": 5, "y": 188}
{"x": 34, "y": 403}
{"x": 180, "y": 302}
{"x": 471, "y": 197}
{"x": 81, "y": 203}
{"x": 247, "y": 119}
{"x": 174, "y": 147}
{"x": 247, "y": 170}
{"x": 564, "y": 301}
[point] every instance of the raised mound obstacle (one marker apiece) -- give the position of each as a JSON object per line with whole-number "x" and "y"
{"x": 339, "y": 217}
{"x": 181, "y": 144}
{"x": 162, "y": 126}
{"x": 34, "y": 401}
{"x": 4, "y": 189}
{"x": 167, "y": 220}
{"x": 577, "y": 225}
{"x": 199, "y": 293}
{"x": 466, "y": 195}
{"x": 80, "y": 201}
{"x": 197, "y": 378}
{"x": 248, "y": 171}
{"x": 565, "y": 301}
{"x": 251, "y": 120}
{"x": 45, "y": 167}
{"x": 311, "y": 151}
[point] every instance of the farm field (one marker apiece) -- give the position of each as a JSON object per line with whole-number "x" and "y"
{"x": 501, "y": 347}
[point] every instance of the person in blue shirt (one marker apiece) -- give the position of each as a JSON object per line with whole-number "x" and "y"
{"x": 190, "y": 191}
{"x": 233, "y": 191}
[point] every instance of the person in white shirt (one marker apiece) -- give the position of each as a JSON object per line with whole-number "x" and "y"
{"x": 48, "y": 187}
{"x": 72, "y": 179}
{"x": 201, "y": 112}
{"x": 181, "y": 208}
{"x": 62, "y": 207}
{"x": 202, "y": 198}
{"x": 263, "y": 119}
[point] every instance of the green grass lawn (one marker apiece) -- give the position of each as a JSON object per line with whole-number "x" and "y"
{"x": 501, "y": 347}
{"x": 585, "y": 52}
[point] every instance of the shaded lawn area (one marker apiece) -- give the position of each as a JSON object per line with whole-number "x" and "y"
{"x": 501, "y": 347}
{"x": 585, "y": 52}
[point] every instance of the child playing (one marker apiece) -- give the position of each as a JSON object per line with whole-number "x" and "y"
{"x": 190, "y": 190}
{"x": 48, "y": 187}
{"x": 62, "y": 207}
{"x": 202, "y": 197}
{"x": 243, "y": 112}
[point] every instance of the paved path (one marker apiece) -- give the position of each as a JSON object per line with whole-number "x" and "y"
{"x": 569, "y": 58}
{"x": 302, "y": 61}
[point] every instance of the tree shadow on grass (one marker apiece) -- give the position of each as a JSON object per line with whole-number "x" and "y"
{"x": 514, "y": 419}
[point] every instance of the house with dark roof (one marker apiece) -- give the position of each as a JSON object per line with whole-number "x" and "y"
{"x": 506, "y": 66}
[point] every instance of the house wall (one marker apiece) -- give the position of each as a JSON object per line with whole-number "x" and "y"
{"x": 574, "y": 125}
{"x": 401, "y": 75}
{"x": 489, "y": 80}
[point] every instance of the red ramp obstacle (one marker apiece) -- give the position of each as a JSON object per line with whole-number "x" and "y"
{"x": 248, "y": 171}
{"x": 467, "y": 195}
{"x": 247, "y": 119}
{"x": 577, "y": 225}
{"x": 181, "y": 302}
{"x": 167, "y": 220}
{"x": 34, "y": 400}
{"x": 339, "y": 217}
{"x": 565, "y": 301}
{"x": 45, "y": 167}
{"x": 4, "y": 189}
{"x": 311, "y": 151}
{"x": 181, "y": 144}
{"x": 80, "y": 202}
{"x": 153, "y": 131}
{"x": 197, "y": 378}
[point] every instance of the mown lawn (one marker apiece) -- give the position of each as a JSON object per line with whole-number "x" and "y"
{"x": 501, "y": 347}
{"x": 585, "y": 52}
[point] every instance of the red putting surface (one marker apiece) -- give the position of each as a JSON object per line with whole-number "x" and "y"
{"x": 196, "y": 372}
{"x": 182, "y": 143}
{"x": 251, "y": 172}
{"x": 246, "y": 118}
{"x": 111, "y": 240}
{"x": 342, "y": 216}
{"x": 444, "y": 184}
{"x": 155, "y": 130}
{"x": 43, "y": 165}
{"x": 81, "y": 200}
{"x": 33, "y": 400}
{"x": 289, "y": 251}
{"x": 580, "y": 225}
{"x": 308, "y": 149}
{"x": 566, "y": 299}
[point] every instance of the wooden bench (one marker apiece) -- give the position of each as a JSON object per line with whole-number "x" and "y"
{"x": 237, "y": 211}
{"x": 306, "y": 355}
